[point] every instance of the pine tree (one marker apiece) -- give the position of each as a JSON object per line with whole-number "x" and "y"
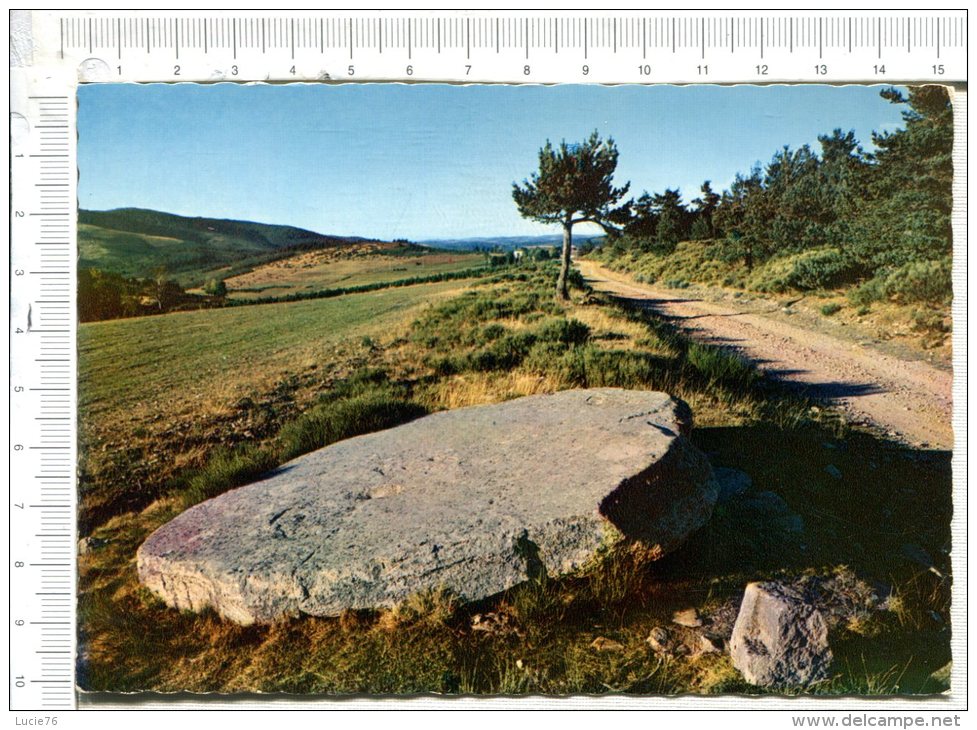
{"x": 705, "y": 207}
{"x": 574, "y": 184}
{"x": 907, "y": 192}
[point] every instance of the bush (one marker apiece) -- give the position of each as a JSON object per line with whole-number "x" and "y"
{"x": 928, "y": 320}
{"x": 870, "y": 291}
{"x": 576, "y": 281}
{"x": 503, "y": 354}
{"x": 360, "y": 382}
{"x": 921, "y": 281}
{"x": 491, "y": 332}
{"x": 831, "y": 308}
{"x": 587, "y": 366}
{"x": 565, "y": 331}
{"x": 344, "y": 418}
{"x": 822, "y": 268}
{"x": 227, "y": 469}
{"x": 917, "y": 281}
{"x": 721, "y": 366}
{"x": 216, "y": 288}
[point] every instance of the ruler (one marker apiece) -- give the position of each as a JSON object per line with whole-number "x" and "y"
{"x": 53, "y": 51}
{"x": 678, "y": 47}
{"x": 42, "y": 397}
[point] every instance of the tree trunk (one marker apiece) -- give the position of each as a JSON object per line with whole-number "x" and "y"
{"x": 562, "y": 291}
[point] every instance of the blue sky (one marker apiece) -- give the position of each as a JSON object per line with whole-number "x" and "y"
{"x": 426, "y": 160}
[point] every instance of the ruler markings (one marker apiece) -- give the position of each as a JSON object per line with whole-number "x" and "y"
{"x": 709, "y": 36}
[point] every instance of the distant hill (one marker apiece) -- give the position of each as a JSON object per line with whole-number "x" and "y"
{"x": 506, "y": 243}
{"x": 136, "y": 242}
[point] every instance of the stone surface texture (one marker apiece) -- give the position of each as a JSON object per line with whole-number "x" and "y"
{"x": 780, "y": 638}
{"x": 473, "y": 500}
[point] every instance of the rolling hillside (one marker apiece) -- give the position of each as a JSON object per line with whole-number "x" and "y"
{"x": 135, "y": 242}
{"x": 504, "y": 243}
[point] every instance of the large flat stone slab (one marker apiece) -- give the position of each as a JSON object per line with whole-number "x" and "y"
{"x": 473, "y": 500}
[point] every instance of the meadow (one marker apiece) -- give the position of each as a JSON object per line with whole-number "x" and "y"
{"x": 157, "y": 393}
{"x": 179, "y": 407}
{"x": 351, "y": 266}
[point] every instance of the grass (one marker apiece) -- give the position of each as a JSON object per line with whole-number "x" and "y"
{"x": 583, "y": 633}
{"x": 352, "y": 266}
{"x": 157, "y": 394}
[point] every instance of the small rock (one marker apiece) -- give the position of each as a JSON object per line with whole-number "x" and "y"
{"x": 833, "y": 471}
{"x": 708, "y": 646}
{"x": 732, "y": 483}
{"x": 660, "y": 640}
{"x": 602, "y": 643}
{"x": 770, "y": 510}
{"x": 495, "y": 624}
{"x": 941, "y": 677}
{"x": 688, "y": 617}
{"x": 722, "y": 618}
{"x": 919, "y": 556}
{"x": 780, "y": 639}
{"x": 88, "y": 544}
{"x": 843, "y": 597}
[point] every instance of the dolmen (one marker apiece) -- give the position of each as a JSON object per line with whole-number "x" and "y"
{"x": 473, "y": 501}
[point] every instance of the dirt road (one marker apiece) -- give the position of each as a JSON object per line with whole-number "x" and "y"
{"x": 907, "y": 399}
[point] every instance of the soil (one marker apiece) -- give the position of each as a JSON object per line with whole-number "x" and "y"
{"x": 907, "y": 399}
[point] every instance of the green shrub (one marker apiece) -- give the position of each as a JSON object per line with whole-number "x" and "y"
{"x": 216, "y": 288}
{"x": 917, "y": 281}
{"x": 503, "y": 354}
{"x": 565, "y": 331}
{"x": 341, "y": 419}
{"x": 620, "y": 368}
{"x": 587, "y": 366}
{"x": 831, "y": 308}
{"x": 576, "y": 281}
{"x": 870, "y": 291}
{"x": 821, "y": 268}
{"x": 364, "y": 380}
{"x": 929, "y": 320}
{"x": 226, "y": 469}
{"x": 721, "y": 366}
{"x": 921, "y": 281}
{"x": 491, "y": 332}
{"x": 677, "y": 283}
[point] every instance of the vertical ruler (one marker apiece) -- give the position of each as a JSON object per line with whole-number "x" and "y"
{"x": 65, "y": 48}
{"x": 42, "y": 402}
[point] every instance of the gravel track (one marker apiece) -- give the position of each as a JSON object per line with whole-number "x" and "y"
{"x": 906, "y": 399}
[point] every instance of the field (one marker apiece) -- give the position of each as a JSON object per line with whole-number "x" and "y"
{"x": 183, "y": 406}
{"x": 141, "y": 243}
{"x": 350, "y": 266}
{"x": 155, "y": 393}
